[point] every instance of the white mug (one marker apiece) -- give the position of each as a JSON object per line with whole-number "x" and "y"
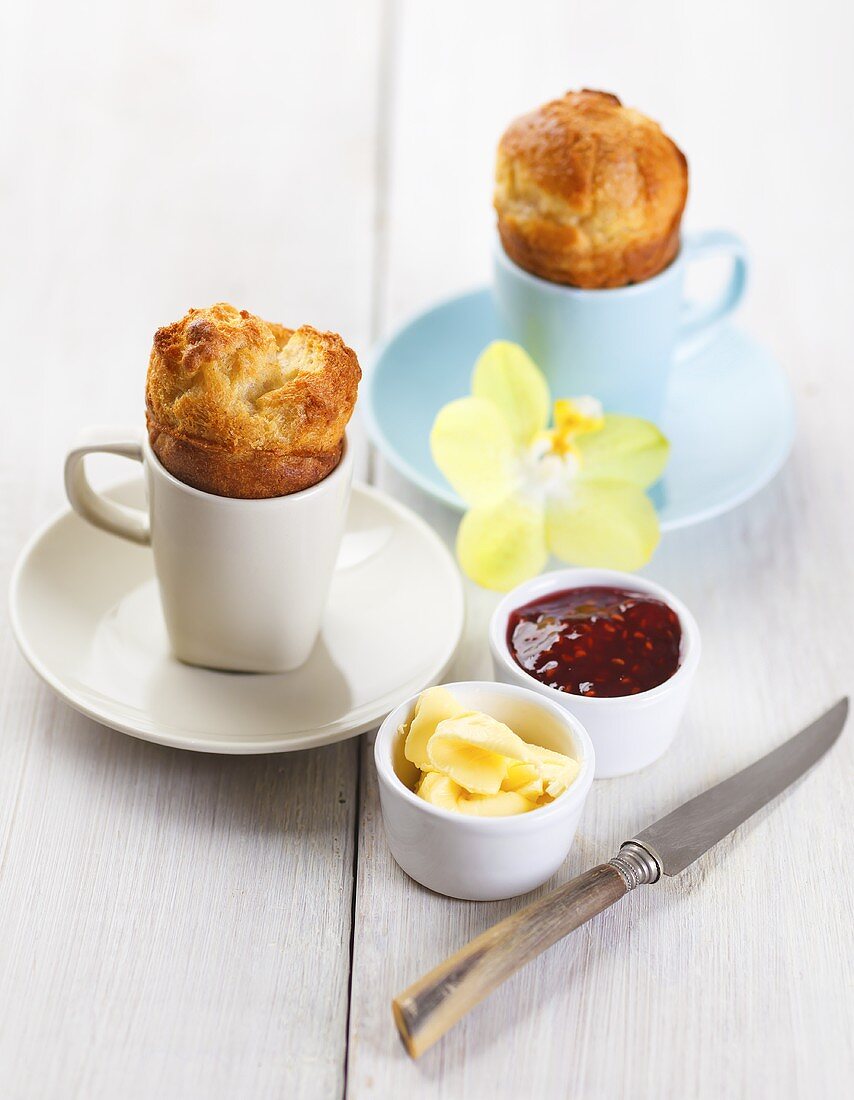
{"x": 243, "y": 583}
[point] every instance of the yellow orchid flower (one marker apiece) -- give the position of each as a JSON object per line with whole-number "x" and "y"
{"x": 575, "y": 490}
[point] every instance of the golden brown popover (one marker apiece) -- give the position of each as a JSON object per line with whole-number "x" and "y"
{"x": 589, "y": 193}
{"x": 242, "y": 407}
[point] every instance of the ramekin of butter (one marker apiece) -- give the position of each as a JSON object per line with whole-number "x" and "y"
{"x": 618, "y": 651}
{"x": 482, "y": 786}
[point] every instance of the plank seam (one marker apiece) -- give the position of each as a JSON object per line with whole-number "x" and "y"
{"x": 379, "y": 269}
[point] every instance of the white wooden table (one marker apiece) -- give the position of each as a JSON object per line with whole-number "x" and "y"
{"x": 178, "y": 925}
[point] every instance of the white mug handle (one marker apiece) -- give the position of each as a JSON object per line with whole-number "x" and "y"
{"x": 130, "y": 523}
{"x": 700, "y": 320}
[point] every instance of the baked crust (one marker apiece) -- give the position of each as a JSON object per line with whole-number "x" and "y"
{"x": 589, "y": 193}
{"x": 242, "y": 407}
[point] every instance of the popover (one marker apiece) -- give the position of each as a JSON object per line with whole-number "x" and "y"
{"x": 242, "y": 407}
{"x": 589, "y": 193}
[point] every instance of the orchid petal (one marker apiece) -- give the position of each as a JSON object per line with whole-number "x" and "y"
{"x": 508, "y": 377}
{"x": 625, "y": 449}
{"x": 473, "y": 447}
{"x": 609, "y": 524}
{"x": 503, "y": 544}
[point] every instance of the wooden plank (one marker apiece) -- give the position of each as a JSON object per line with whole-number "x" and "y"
{"x": 174, "y": 924}
{"x": 734, "y": 979}
{"x": 170, "y": 924}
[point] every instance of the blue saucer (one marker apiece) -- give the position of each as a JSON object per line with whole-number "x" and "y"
{"x": 729, "y": 413}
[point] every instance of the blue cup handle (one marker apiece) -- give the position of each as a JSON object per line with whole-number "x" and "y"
{"x": 700, "y": 320}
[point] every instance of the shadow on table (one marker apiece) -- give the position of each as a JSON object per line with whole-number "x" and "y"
{"x": 301, "y": 793}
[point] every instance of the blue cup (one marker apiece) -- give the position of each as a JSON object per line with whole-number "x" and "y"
{"x": 620, "y": 344}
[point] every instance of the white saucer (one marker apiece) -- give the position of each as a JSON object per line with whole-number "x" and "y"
{"x": 86, "y": 614}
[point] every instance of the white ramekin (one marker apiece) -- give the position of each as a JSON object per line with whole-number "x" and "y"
{"x": 478, "y": 858}
{"x": 627, "y": 732}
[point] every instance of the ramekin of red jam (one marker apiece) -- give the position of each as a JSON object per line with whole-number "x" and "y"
{"x": 598, "y": 641}
{"x": 618, "y": 651}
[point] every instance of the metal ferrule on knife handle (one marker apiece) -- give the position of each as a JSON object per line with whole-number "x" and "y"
{"x": 636, "y": 864}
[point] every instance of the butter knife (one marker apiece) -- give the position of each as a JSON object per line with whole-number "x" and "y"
{"x": 427, "y": 1009}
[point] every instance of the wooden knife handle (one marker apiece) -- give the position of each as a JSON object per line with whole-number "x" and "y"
{"x": 427, "y": 1009}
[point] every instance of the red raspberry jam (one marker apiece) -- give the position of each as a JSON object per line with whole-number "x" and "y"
{"x": 596, "y": 641}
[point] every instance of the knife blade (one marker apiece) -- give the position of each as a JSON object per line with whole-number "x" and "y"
{"x": 433, "y": 1004}
{"x": 676, "y": 840}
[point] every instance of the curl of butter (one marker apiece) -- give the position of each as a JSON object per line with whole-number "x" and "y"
{"x": 474, "y": 764}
